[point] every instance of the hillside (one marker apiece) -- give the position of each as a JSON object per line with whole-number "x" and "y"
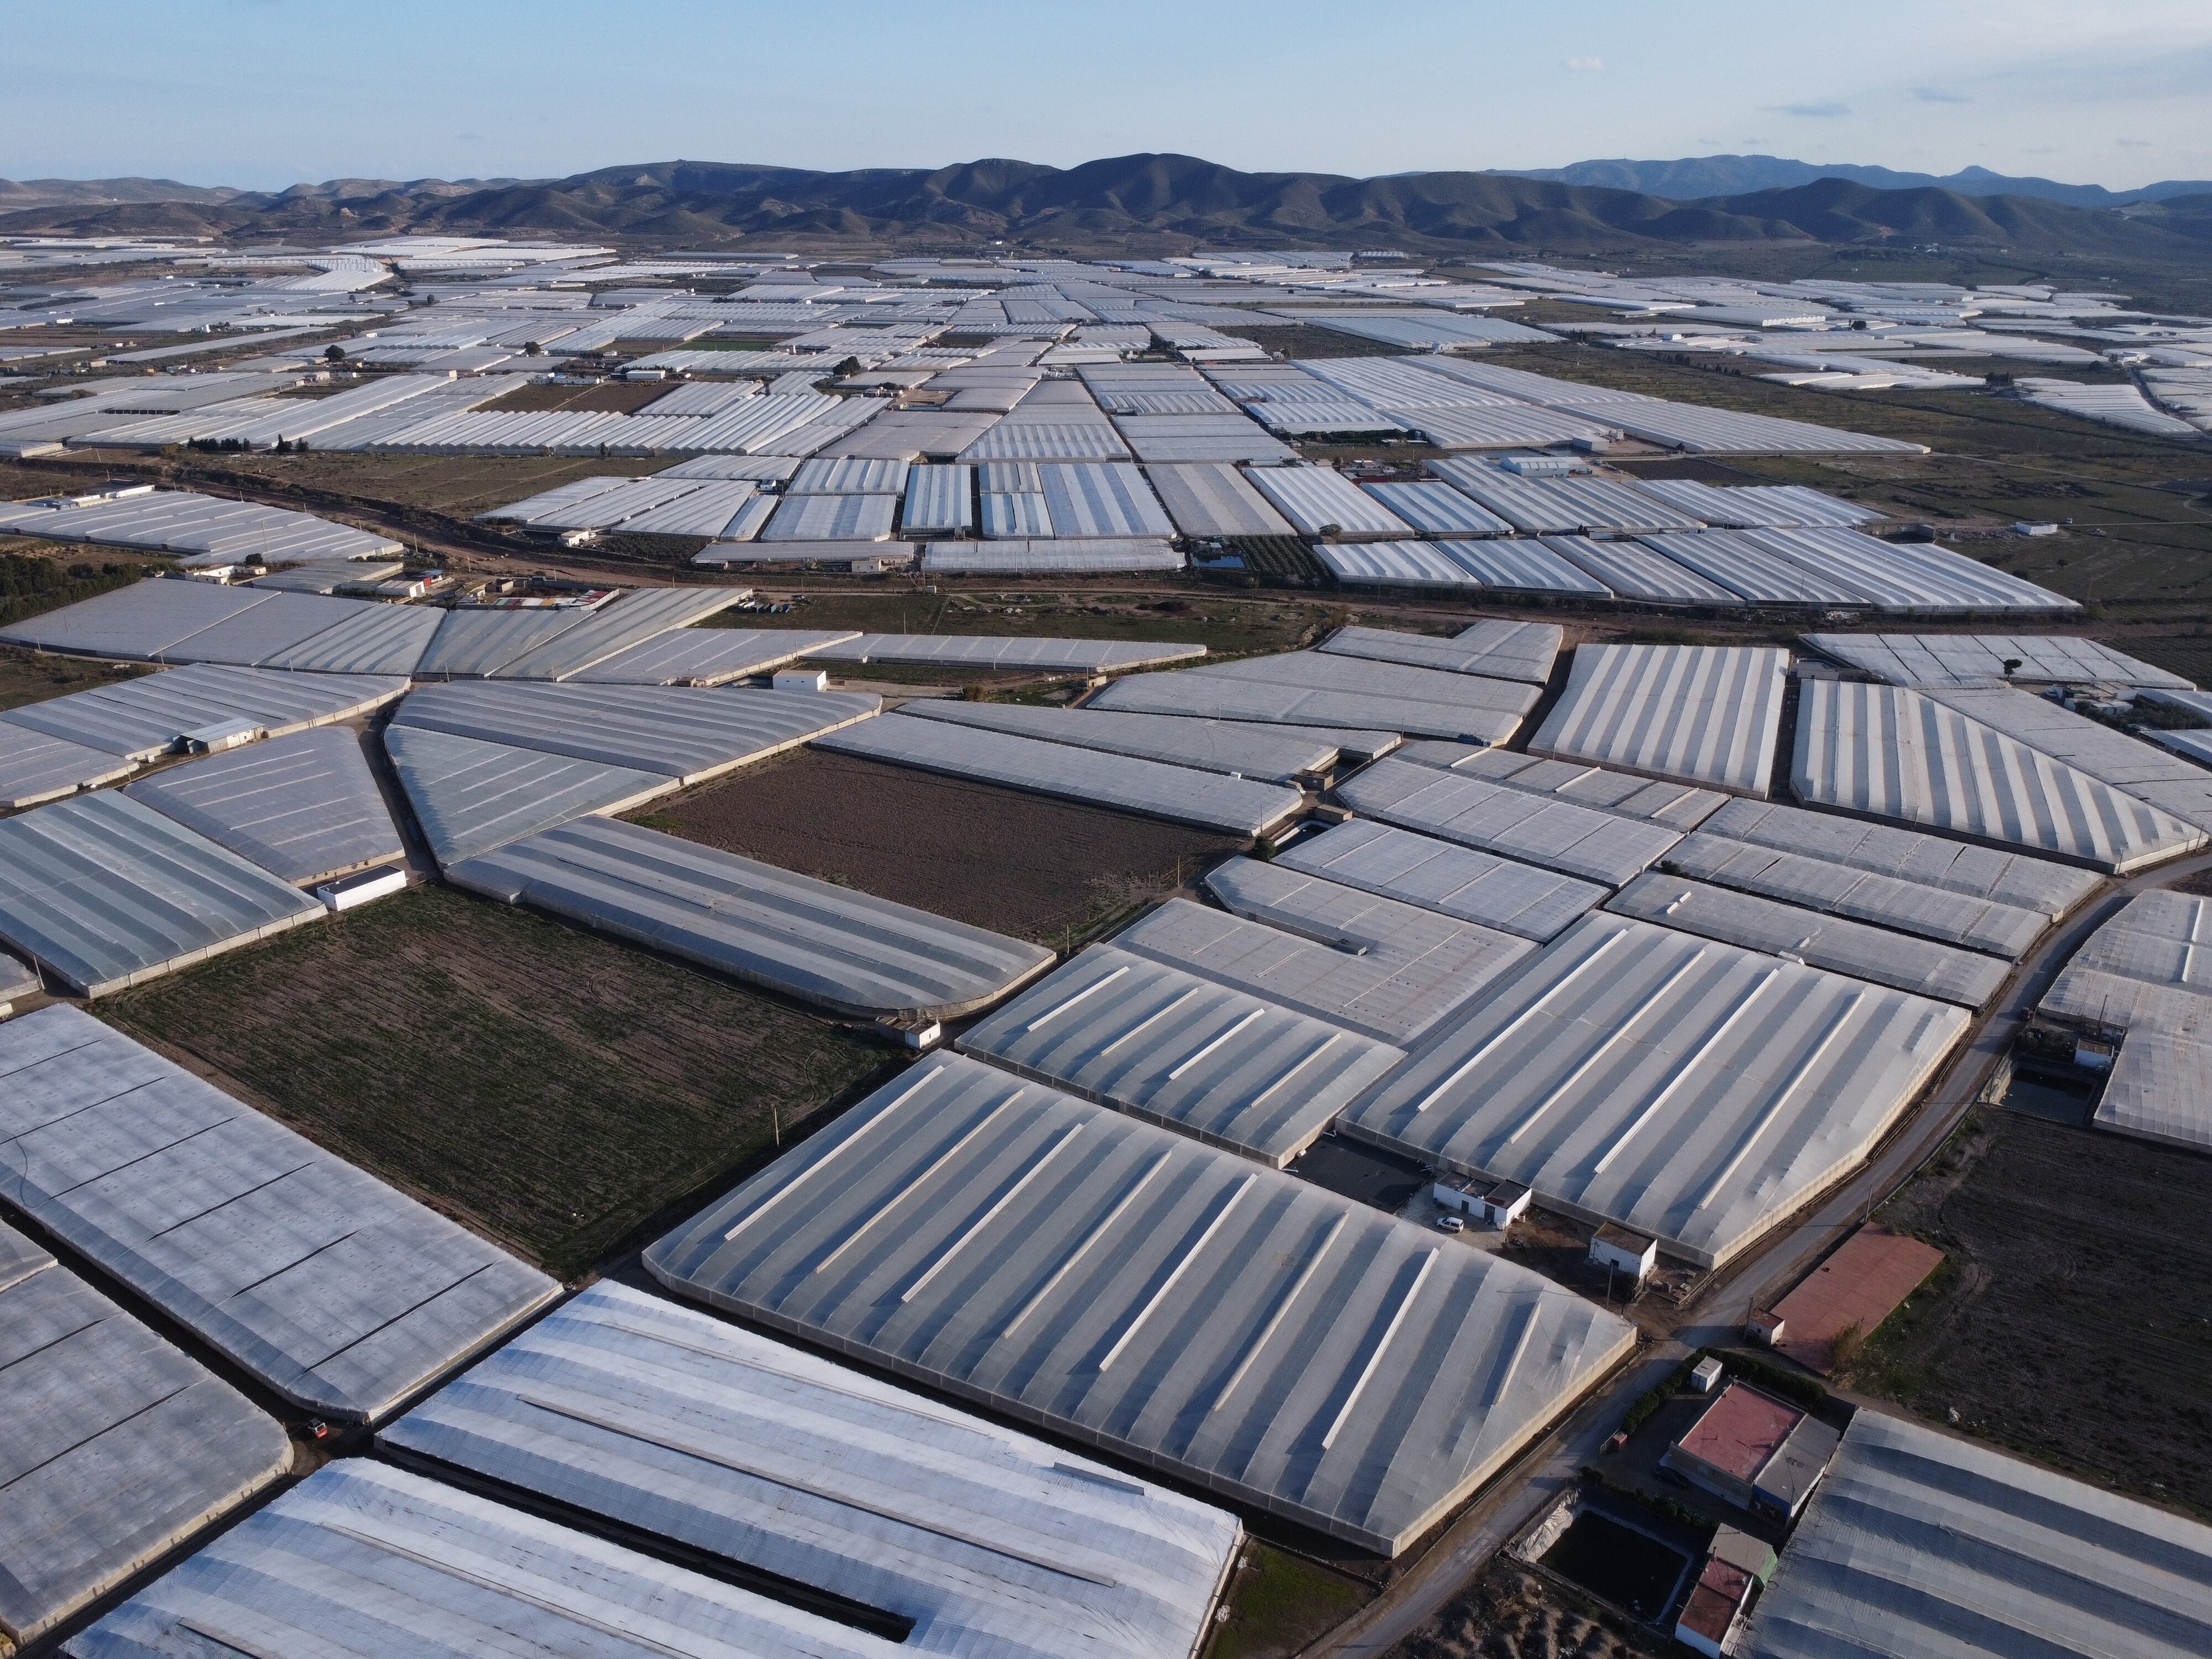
{"x": 1155, "y": 200}
{"x": 1696, "y": 177}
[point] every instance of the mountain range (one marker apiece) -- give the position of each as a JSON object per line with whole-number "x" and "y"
{"x": 1162, "y": 202}
{"x": 1696, "y": 177}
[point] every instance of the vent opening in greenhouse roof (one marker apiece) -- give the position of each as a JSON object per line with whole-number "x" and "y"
{"x": 1250, "y": 1334}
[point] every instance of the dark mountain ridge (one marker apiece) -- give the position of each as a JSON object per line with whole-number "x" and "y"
{"x": 1162, "y": 200}
{"x": 1697, "y": 177}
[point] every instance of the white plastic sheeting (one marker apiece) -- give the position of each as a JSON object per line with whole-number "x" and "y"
{"x": 1925, "y": 660}
{"x": 338, "y": 1292}
{"x": 1691, "y": 1091}
{"x": 994, "y": 1545}
{"x": 1926, "y": 1545}
{"x": 114, "y": 1446}
{"x": 1497, "y": 650}
{"x": 1699, "y": 714}
{"x": 1182, "y": 794}
{"x": 1578, "y": 841}
{"x": 1319, "y": 500}
{"x": 471, "y": 796}
{"x": 824, "y": 944}
{"x": 304, "y": 807}
{"x": 1452, "y": 880}
{"x": 361, "y": 1559}
{"x": 1240, "y": 749}
{"x": 1874, "y": 954}
{"x": 1226, "y": 1067}
{"x": 1064, "y": 1264}
{"x": 1889, "y": 752}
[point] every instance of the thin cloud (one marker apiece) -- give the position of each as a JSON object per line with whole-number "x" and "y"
{"x": 1827, "y": 110}
{"x": 1939, "y": 96}
{"x": 1586, "y": 65}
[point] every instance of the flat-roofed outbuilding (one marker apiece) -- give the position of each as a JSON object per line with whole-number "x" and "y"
{"x": 1121, "y": 1286}
{"x": 363, "y": 1558}
{"x": 1693, "y": 713}
{"x": 831, "y": 945}
{"x": 1925, "y": 1546}
{"x": 340, "y": 1293}
{"x": 1693, "y": 1091}
{"x": 688, "y": 1428}
{"x": 1452, "y": 880}
{"x": 1226, "y": 1067}
{"x": 114, "y": 1445}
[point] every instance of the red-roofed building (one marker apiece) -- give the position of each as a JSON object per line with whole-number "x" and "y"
{"x": 1754, "y": 1451}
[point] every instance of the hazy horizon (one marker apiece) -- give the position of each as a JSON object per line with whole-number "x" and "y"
{"x": 262, "y": 95}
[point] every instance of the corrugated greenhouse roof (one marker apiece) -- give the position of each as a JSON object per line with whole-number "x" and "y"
{"x": 1698, "y": 714}
{"x": 1127, "y": 1287}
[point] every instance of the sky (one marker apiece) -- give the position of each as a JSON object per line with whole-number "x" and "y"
{"x": 263, "y": 94}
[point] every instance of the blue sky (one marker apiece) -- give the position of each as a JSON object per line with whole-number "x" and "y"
{"x": 261, "y": 93}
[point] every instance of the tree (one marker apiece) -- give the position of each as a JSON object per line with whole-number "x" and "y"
{"x": 334, "y": 355}
{"x": 531, "y": 348}
{"x": 850, "y": 365}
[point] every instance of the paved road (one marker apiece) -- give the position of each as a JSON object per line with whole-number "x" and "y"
{"x": 1716, "y": 1316}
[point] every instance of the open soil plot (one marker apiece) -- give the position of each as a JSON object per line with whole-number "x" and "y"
{"x": 550, "y": 1088}
{"x": 1015, "y": 863}
{"x": 1509, "y": 1612}
{"x": 2072, "y": 1323}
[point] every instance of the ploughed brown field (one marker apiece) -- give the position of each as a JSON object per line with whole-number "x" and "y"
{"x": 1018, "y": 864}
{"x": 2071, "y": 1322}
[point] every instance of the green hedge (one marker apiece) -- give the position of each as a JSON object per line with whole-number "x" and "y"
{"x": 30, "y": 585}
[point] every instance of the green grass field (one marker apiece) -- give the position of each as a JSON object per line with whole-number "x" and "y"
{"x": 553, "y": 1089}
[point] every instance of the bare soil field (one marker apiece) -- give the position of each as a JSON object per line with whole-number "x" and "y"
{"x": 550, "y": 1088}
{"x": 1222, "y": 625}
{"x": 2073, "y": 1322}
{"x": 1015, "y": 863}
{"x": 1509, "y": 1612}
{"x": 610, "y": 396}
